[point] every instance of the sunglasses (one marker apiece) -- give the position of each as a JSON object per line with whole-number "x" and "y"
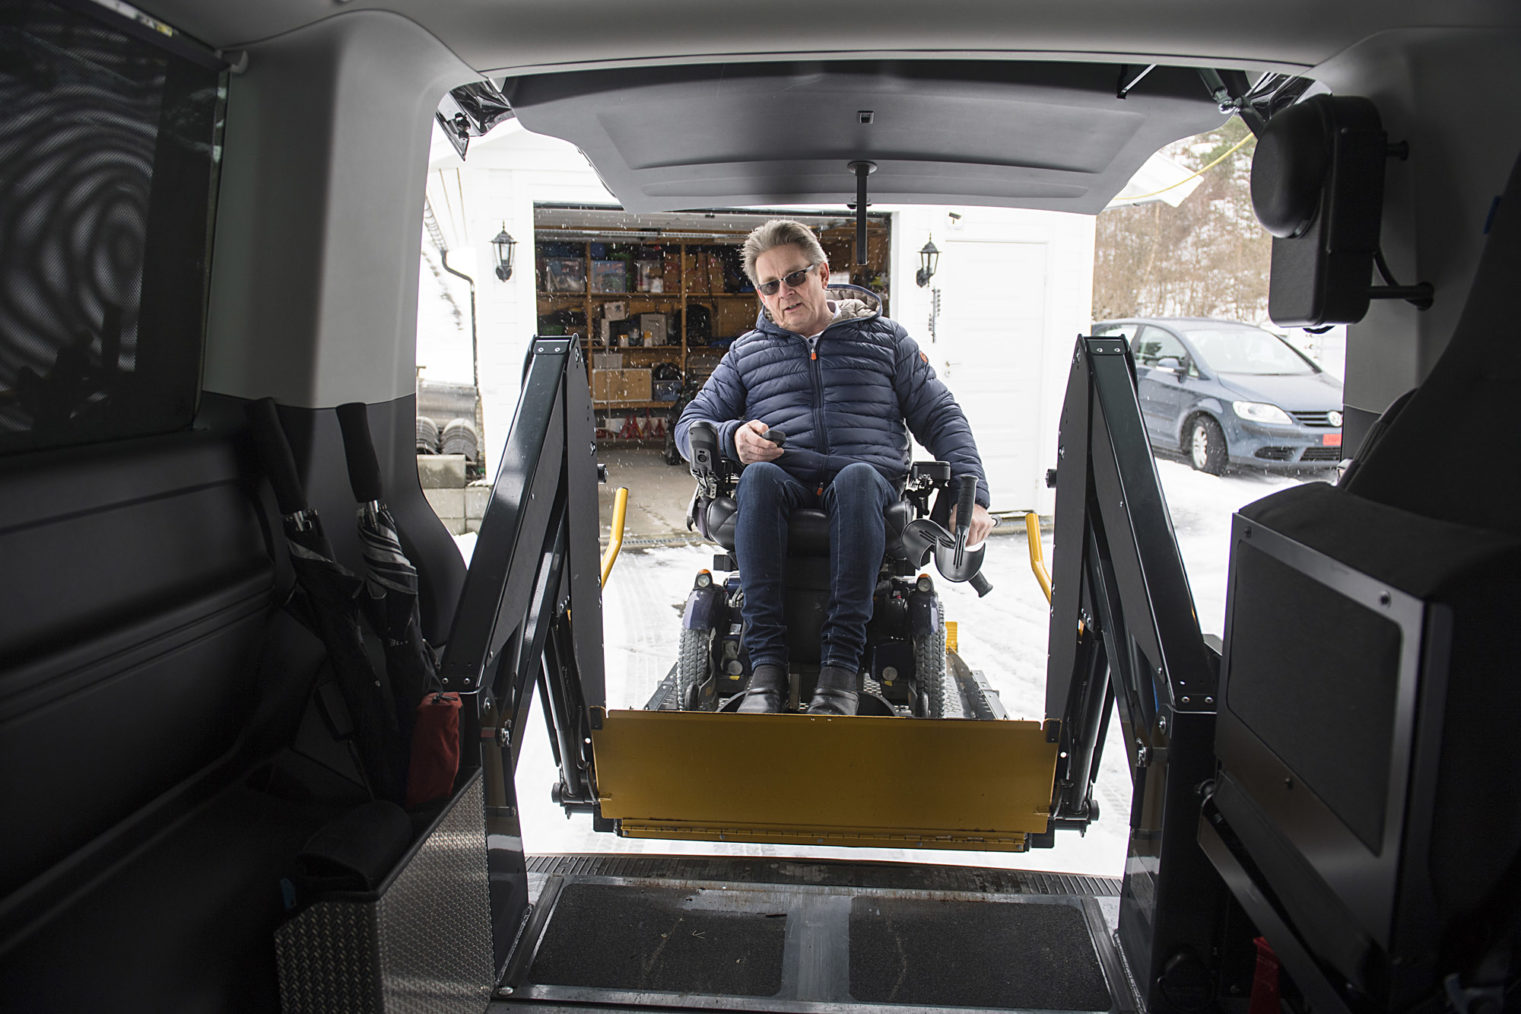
{"x": 793, "y": 281}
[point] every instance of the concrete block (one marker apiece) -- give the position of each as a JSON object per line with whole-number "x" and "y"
{"x": 441, "y": 471}
{"x": 449, "y": 505}
{"x": 476, "y": 499}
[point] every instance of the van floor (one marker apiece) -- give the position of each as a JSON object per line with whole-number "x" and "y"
{"x": 682, "y": 932}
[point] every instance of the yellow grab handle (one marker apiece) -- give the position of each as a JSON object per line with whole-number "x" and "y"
{"x": 615, "y": 543}
{"x": 1037, "y": 555}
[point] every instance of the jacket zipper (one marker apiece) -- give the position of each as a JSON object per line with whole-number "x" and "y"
{"x": 816, "y": 377}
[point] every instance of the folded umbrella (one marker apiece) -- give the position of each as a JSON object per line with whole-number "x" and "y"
{"x": 390, "y": 584}
{"x": 331, "y": 594}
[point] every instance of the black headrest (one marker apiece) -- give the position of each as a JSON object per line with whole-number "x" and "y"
{"x": 1318, "y": 187}
{"x": 1293, "y": 160}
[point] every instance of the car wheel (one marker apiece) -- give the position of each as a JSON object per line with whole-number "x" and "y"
{"x": 1206, "y": 445}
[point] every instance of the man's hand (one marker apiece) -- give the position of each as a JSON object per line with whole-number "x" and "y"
{"x": 982, "y": 524}
{"x": 751, "y": 443}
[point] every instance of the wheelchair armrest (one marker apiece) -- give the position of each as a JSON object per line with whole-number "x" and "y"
{"x": 937, "y": 473}
{"x": 714, "y": 473}
{"x": 708, "y": 463}
{"x": 924, "y": 477}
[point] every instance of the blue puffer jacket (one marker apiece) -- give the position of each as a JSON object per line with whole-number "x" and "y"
{"x": 846, "y": 403}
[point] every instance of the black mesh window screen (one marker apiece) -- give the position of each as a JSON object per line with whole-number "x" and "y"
{"x": 109, "y": 145}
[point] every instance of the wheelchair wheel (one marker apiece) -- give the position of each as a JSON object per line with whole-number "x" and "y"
{"x": 692, "y": 665}
{"x": 929, "y": 670}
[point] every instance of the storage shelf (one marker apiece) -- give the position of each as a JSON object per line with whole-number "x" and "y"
{"x": 628, "y": 441}
{"x": 647, "y": 349}
{"x": 658, "y": 296}
{"x": 723, "y": 312}
{"x": 654, "y": 350}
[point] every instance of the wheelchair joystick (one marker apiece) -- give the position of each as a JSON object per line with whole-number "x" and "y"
{"x": 966, "y": 498}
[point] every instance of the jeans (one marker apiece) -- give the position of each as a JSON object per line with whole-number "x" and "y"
{"x": 854, "y": 501}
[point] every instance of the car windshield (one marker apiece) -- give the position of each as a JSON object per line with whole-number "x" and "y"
{"x": 1239, "y": 348}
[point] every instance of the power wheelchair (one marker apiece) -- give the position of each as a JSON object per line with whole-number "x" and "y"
{"x": 904, "y": 670}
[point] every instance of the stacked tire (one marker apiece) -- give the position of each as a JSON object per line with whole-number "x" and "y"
{"x": 427, "y": 435}
{"x": 459, "y": 437}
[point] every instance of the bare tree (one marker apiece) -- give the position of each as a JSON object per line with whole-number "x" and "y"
{"x": 1208, "y": 257}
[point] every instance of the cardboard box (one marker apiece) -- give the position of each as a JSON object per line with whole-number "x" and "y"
{"x": 652, "y": 327}
{"x": 705, "y": 271}
{"x": 607, "y": 385}
{"x": 636, "y": 385}
{"x": 615, "y": 309}
{"x": 607, "y": 361}
{"x": 617, "y": 386}
{"x": 735, "y": 317}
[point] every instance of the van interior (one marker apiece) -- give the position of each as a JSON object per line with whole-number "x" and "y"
{"x": 209, "y": 223}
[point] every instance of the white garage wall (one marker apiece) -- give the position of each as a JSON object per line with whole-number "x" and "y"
{"x": 1016, "y": 289}
{"x": 502, "y": 177}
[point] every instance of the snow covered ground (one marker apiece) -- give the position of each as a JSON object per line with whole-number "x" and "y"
{"x": 1004, "y": 635}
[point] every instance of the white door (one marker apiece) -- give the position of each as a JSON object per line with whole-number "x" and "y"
{"x": 988, "y": 348}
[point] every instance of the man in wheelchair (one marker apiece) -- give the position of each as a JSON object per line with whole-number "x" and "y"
{"x": 846, "y": 386}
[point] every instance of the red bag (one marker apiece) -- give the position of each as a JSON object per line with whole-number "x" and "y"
{"x": 435, "y": 749}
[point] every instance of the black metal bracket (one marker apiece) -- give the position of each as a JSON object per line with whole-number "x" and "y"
{"x": 1123, "y": 622}
{"x": 534, "y": 569}
{"x": 861, "y": 169}
{"x": 1124, "y": 631}
{"x": 1130, "y": 76}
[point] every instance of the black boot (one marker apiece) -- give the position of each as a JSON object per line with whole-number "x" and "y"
{"x": 768, "y": 690}
{"x": 835, "y": 692}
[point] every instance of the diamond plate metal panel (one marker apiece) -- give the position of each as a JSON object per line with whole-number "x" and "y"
{"x": 423, "y": 946}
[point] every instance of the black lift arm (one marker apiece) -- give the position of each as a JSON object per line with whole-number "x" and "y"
{"x": 1124, "y": 630}
{"x": 535, "y": 566}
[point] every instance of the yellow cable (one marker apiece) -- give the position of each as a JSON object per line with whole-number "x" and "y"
{"x": 1229, "y": 152}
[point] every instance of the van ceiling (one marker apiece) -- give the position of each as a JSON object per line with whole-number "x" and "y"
{"x": 1049, "y": 136}
{"x": 498, "y": 37}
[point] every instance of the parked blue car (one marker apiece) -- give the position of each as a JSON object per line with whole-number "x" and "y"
{"x": 1225, "y": 393}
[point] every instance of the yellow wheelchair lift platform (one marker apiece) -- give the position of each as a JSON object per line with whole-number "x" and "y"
{"x": 823, "y": 780}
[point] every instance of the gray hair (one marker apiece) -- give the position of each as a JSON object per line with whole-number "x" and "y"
{"x": 780, "y": 232}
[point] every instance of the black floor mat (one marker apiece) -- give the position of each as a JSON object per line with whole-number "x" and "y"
{"x": 973, "y": 954}
{"x": 660, "y": 938}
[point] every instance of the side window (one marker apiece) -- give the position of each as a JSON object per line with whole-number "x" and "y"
{"x": 1126, "y": 331}
{"x": 109, "y": 141}
{"x": 1153, "y": 344}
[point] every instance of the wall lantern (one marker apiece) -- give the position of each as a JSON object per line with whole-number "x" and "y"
{"x": 929, "y": 260}
{"x": 503, "y": 245}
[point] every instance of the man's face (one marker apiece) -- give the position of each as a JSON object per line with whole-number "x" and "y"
{"x": 802, "y": 308}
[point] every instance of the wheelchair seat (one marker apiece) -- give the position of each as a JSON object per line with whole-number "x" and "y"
{"x": 807, "y": 532}
{"x": 713, "y": 509}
